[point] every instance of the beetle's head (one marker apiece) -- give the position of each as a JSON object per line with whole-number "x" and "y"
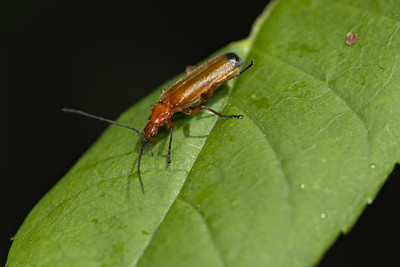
{"x": 160, "y": 114}
{"x": 150, "y": 132}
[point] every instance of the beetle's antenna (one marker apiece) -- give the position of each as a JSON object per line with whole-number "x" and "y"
{"x": 79, "y": 112}
{"x": 138, "y": 167}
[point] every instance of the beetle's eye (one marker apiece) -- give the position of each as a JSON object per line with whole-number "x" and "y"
{"x": 153, "y": 135}
{"x": 151, "y": 106}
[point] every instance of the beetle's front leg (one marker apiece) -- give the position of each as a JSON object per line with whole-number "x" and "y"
{"x": 171, "y": 129}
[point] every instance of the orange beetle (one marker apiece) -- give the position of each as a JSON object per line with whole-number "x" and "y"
{"x": 192, "y": 90}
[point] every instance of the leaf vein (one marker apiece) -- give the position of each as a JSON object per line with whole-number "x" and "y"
{"x": 203, "y": 219}
{"x": 315, "y": 77}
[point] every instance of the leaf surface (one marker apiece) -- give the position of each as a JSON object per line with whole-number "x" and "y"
{"x": 320, "y": 135}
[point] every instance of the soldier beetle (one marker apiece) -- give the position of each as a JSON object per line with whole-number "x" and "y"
{"x": 190, "y": 91}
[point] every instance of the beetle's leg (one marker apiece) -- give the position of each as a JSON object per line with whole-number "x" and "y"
{"x": 171, "y": 129}
{"x": 197, "y": 109}
{"x": 190, "y": 68}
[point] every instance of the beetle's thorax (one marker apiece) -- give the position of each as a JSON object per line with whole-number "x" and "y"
{"x": 160, "y": 113}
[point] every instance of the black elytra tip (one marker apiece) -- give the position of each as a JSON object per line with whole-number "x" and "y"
{"x": 232, "y": 56}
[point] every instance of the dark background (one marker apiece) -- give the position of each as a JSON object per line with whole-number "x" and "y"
{"x": 103, "y": 56}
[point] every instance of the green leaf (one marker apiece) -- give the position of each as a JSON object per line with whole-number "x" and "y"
{"x": 320, "y": 135}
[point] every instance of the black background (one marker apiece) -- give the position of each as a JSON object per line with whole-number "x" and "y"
{"x": 102, "y": 57}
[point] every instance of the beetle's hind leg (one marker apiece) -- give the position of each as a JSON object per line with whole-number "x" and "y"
{"x": 197, "y": 109}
